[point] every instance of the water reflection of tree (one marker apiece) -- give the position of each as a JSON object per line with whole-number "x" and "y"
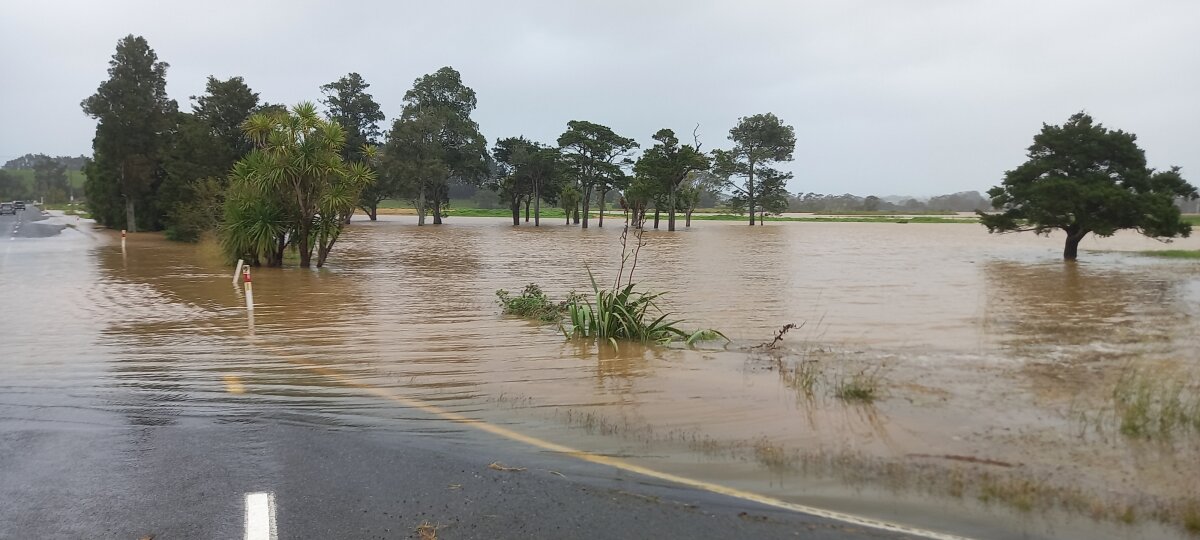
{"x": 1074, "y": 325}
{"x": 174, "y": 327}
{"x": 1034, "y": 308}
{"x": 148, "y": 328}
{"x": 617, "y": 369}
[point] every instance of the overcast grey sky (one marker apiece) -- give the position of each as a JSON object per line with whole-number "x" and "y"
{"x": 887, "y": 97}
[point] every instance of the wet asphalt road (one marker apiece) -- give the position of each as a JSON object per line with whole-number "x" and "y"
{"x": 25, "y": 225}
{"x": 189, "y": 482}
{"x": 73, "y": 466}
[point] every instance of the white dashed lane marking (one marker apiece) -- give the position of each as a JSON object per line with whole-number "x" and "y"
{"x": 260, "y": 516}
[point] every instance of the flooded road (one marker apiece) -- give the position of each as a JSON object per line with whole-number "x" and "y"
{"x": 994, "y": 362}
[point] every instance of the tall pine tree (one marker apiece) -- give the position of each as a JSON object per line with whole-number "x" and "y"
{"x": 134, "y": 117}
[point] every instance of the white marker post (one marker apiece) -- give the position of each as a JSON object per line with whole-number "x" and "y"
{"x": 249, "y": 288}
{"x": 238, "y": 272}
{"x": 122, "y": 239}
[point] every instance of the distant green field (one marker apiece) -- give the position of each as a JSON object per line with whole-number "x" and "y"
{"x": 547, "y": 212}
{"x": 887, "y": 213}
{"x": 76, "y": 178}
{"x": 404, "y": 203}
{"x": 1194, "y": 219}
{"x": 1173, "y": 254}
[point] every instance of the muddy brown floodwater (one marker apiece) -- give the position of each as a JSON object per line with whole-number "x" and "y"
{"x": 994, "y": 366}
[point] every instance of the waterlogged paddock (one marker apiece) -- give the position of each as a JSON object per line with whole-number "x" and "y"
{"x": 941, "y": 376}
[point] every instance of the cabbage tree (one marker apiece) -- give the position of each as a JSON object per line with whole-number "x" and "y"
{"x": 294, "y": 185}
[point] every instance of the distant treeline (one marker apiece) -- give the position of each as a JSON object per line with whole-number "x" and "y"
{"x": 38, "y": 176}
{"x": 30, "y": 161}
{"x": 963, "y": 201}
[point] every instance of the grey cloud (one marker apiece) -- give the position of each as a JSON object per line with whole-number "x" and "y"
{"x": 917, "y": 97}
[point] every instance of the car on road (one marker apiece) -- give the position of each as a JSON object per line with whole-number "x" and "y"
{"x": 19, "y": 205}
{"x": 7, "y": 208}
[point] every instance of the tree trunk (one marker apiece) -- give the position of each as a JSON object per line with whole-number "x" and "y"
{"x": 515, "y": 206}
{"x": 576, "y": 211}
{"x": 421, "y": 206}
{"x": 323, "y": 250}
{"x": 437, "y": 212}
{"x": 280, "y": 248}
{"x": 305, "y": 248}
{"x": 1071, "y": 251}
{"x": 130, "y": 216}
{"x": 750, "y": 191}
{"x": 656, "y": 212}
{"x": 603, "y": 195}
{"x": 373, "y": 213}
{"x": 688, "y": 219}
{"x": 537, "y": 206}
{"x": 587, "y": 206}
{"x": 346, "y": 221}
{"x": 671, "y": 210}
{"x": 527, "y": 202}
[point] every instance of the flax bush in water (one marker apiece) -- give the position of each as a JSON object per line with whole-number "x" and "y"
{"x": 620, "y": 313}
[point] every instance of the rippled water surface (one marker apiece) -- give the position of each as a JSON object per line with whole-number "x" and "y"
{"x": 987, "y": 349}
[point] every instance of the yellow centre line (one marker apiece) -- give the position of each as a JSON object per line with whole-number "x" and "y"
{"x": 621, "y": 464}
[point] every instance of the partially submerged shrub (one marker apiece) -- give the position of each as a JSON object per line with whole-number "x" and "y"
{"x": 534, "y": 304}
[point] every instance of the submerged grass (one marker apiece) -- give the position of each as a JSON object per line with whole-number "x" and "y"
{"x": 803, "y": 369}
{"x": 862, "y": 386}
{"x": 990, "y": 482}
{"x": 1155, "y": 405}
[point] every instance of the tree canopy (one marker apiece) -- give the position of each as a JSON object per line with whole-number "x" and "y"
{"x": 668, "y": 165}
{"x": 351, "y": 106}
{"x": 594, "y": 155}
{"x": 223, "y": 108}
{"x": 759, "y": 141}
{"x": 199, "y": 155}
{"x": 1081, "y": 178}
{"x": 528, "y": 171}
{"x": 435, "y": 139}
